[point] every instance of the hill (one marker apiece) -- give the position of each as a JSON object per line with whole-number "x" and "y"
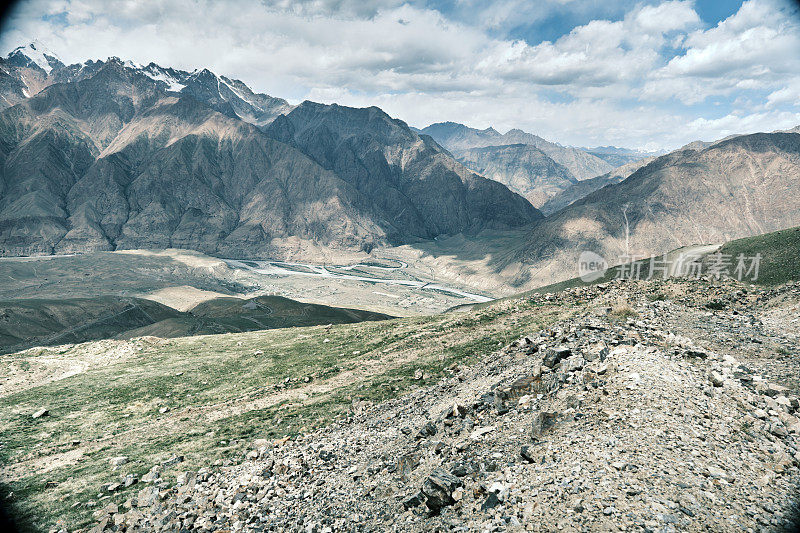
{"x": 39, "y": 322}
{"x": 779, "y": 253}
{"x": 49, "y": 322}
{"x": 234, "y": 315}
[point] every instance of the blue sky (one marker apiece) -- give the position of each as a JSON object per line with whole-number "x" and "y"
{"x": 645, "y": 74}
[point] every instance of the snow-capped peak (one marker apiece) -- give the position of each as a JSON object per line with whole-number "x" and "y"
{"x": 172, "y": 78}
{"x": 37, "y": 54}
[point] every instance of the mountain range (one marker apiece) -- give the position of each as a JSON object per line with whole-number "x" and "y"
{"x": 112, "y": 155}
{"x": 456, "y": 137}
{"x": 528, "y": 164}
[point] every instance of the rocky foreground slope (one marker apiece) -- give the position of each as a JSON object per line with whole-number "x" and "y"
{"x": 661, "y": 406}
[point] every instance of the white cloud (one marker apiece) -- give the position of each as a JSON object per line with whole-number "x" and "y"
{"x": 756, "y": 48}
{"x": 598, "y": 53}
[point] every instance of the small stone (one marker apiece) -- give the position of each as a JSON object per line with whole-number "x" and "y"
{"x": 428, "y": 430}
{"x": 438, "y": 489}
{"x": 595, "y": 352}
{"x": 716, "y": 472}
{"x": 480, "y": 432}
{"x": 773, "y": 390}
{"x": 527, "y": 453}
{"x": 555, "y": 355}
{"x": 491, "y": 502}
{"x": 414, "y": 500}
{"x": 175, "y": 459}
{"x": 408, "y": 463}
{"x": 716, "y": 379}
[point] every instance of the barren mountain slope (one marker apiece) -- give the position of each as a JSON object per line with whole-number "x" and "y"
{"x": 578, "y": 190}
{"x": 416, "y": 185}
{"x": 522, "y": 168}
{"x": 744, "y": 186}
{"x": 455, "y": 137}
{"x": 115, "y": 159}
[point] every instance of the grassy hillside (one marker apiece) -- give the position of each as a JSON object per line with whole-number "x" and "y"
{"x": 41, "y": 322}
{"x": 208, "y": 397}
{"x": 48, "y": 322}
{"x": 780, "y": 252}
{"x": 780, "y": 260}
{"x": 234, "y": 315}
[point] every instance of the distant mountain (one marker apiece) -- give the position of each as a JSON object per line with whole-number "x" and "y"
{"x": 583, "y": 188}
{"x": 619, "y": 156}
{"x": 454, "y": 137}
{"x": 523, "y": 168}
{"x": 28, "y": 70}
{"x": 25, "y": 71}
{"x": 746, "y": 185}
{"x": 111, "y": 155}
{"x": 702, "y": 145}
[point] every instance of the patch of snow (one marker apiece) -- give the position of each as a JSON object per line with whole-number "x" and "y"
{"x": 37, "y": 53}
{"x": 159, "y": 74}
{"x": 238, "y": 94}
{"x": 25, "y": 89}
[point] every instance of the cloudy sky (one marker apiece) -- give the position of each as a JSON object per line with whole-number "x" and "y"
{"x": 643, "y": 74}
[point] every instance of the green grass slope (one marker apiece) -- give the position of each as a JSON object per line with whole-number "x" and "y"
{"x": 208, "y": 397}
{"x": 49, "y": 322}
{"x": 780, "y": 255}
{"x": 41, "y": 322}
{"x": 236, "y": 315}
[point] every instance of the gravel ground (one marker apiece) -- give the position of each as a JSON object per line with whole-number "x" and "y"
{"x": 665, "y": 406}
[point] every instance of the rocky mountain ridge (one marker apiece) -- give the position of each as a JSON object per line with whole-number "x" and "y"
{"x": 454, "y": 136}
{"x": 29, "y": 69}
{"x": 523, "y": 168}
{"x": 109, "y": 156}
